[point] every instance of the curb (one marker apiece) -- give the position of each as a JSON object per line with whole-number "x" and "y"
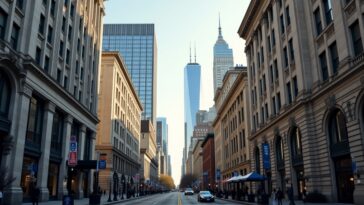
{"x": 124, "y": 200}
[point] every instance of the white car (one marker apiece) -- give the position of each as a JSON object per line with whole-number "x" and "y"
{"x": 188, "y": 191}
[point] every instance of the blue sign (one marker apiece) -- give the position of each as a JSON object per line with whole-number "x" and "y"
{"x": 218, "y": 174}
{"x": 266, "y": 156}
{"x": 102, "y": 164}
{"x": 73, "y": 146}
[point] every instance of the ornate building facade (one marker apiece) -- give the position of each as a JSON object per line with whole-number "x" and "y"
{"x": 305, "y": 71}
{"x": 49, "y": 59}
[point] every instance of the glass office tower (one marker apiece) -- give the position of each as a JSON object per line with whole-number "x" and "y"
{"x": 137, "y": 46}
{"x": 192, "y": 74}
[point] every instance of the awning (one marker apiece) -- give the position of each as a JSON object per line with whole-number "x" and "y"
{"x": 234, "y": 178}
{"x": 252, "y": 176}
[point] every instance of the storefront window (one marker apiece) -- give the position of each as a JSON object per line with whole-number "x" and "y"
{"x": 35, "y": 123}
{"x": 53, "y": 173}
{"x": 29, "y": 175}
{"x": 5, "y": 93}
{"x": 57, "y": 133}
{"x": 257, "y": 159}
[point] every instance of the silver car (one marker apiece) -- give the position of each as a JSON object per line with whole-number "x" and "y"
{"x": 205, "y": 196}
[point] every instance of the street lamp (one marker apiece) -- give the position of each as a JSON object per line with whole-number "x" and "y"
{"x": 123, "y": 186}
{"x": 116, "y": 178}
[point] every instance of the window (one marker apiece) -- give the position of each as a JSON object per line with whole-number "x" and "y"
{"x": 291, "y": 51}
{"x": 3, "y": 20}
{"x": 318, "y": 22}
{"x": 35, "y": 123}
{"x": 289, "y": 93}
{"x": 282, "y": 24}
{"x": 14, "y": 36}
{"x": 5, "y": 95}
{"x": 64, "y": 24}
{"x": 57, "y": 133}
{"x": 337, "y": 127}
{"x": 328, "y": 11}
{"x": 334, "y": 57}
{"x": 68, "y": 57}
{"x": 72, "y": 11}
{"x": 276, "y": 73}
{"x": 285, "y": 57}
{"x": 271, "y": 74}
{"x": 46, "y": 64}
{"x": 269, "y": 46}
{"x": 296, "y": 147}
{"x": 323, "y": 64}
{"x": 279, "y": 151}
{"x": 295, "y": 86}
{"x": 288, "y": 16}
{"x": 60, "y": 51}
{"x": 38, "y": 53}
{"x": 49, "y": 36}
{"x": 53, "y": 7}
{"x": 41, "y": 24}
{"x": 274, "y": 105}
{"x": 266, "y": 111}
{"x": 257, "y": 160}
{"x": 65, "y": 82}
{"x": 59, "y": 75}
{"x": 356, "y": 38}
{"x": 20, "y": 4}
{"x": 273, "y": 38}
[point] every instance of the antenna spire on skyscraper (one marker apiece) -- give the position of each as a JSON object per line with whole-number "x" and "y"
{"x": 190, "y": 53}
{"x": 220, "y": 33}
{"x": 195, "y": 52}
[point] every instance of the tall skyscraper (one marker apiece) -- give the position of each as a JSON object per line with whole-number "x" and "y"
{"x": 223, "y": 59}
{"x": 162, "y": 134}
{"x": 192, "y": 73}
{"x": 137, "y": 45}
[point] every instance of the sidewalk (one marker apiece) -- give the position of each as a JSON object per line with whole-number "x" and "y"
{"x": 85, "y": 201}
{"x": 285, "y": 202}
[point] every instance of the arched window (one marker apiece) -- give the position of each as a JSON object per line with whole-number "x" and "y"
{"x": 337, "y": 127}
{"x": 279, "y": 152}
{"x": 296, "y": 146}
{"x": 5, "y": 94}
{"x": 257, "y": 160}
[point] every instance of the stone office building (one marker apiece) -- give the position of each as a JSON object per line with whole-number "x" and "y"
{"x": 306, "y": 85}
{"x": 232, "y": 155}
{"x": 118, "y": 133}
{"x": 49, "y": 58}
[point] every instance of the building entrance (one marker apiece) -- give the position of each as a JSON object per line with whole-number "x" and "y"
{"x": 301, "y": 186}
{"x": 344, "y": 179}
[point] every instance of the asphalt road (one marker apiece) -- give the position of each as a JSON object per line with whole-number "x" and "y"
{"x": 172, "y": 198}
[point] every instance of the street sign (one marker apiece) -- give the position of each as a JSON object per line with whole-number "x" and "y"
{"x": 72, "y": 159}
{"x": 73, "y": 146}
{"x": 266, "y": 156}
{"x": 102, "y": 164}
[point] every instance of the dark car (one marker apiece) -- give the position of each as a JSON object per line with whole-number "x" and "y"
{"x": 188, "y": 191}
{"x": 205, "y": 196}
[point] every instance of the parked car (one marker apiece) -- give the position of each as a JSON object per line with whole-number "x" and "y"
{"x": 188, "y": 191}
{"x": 205, "y": 196}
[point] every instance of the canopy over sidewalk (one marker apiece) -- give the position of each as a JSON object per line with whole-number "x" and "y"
{"x": 252, "y": 176}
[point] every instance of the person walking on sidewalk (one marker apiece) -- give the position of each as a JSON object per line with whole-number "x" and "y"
{"x": 290, "y": 195}
{"x": 279, "y": 196}
{"x": 274, "y": 197}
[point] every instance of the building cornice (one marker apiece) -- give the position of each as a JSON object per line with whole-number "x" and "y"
{"x": 249, "y": 17}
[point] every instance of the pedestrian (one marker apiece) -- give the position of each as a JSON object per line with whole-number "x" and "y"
{"x": 35, "y": 192}
{"x": 1, "y": 197}
{"x": 290, "y": 195}
{"x": 274, "y": 197}
{"x": 279, "y": 196}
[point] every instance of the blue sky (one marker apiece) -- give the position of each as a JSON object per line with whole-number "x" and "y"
{"x": 179, "y": 23}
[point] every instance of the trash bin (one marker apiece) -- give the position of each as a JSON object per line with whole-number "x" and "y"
{"x": 67, "y": 200}
{"x": 95, "y": 199}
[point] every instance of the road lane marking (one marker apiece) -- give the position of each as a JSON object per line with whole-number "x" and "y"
{"x": 179, "y": 199}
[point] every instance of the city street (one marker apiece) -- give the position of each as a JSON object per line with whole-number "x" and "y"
{"x": 172, "y": 198}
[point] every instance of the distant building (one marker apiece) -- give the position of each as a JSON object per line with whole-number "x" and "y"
{"x": 306, "y": 95}
{"x": 148, "y": 154}
{"x": 118, "y": 136}
{"x": 232, "y": 154}
{"x": 49, "y": 63}
{"x": 208, "y": 162}
{"x": 137, "y": 45}
{"x": 223, "y": 59}
{"x": 192, "y": 75}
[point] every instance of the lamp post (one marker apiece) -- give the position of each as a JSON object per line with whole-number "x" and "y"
{"x": 115, "y": 188}
{"x": 109, "y": 199}
{"x": 123, "y": 186}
